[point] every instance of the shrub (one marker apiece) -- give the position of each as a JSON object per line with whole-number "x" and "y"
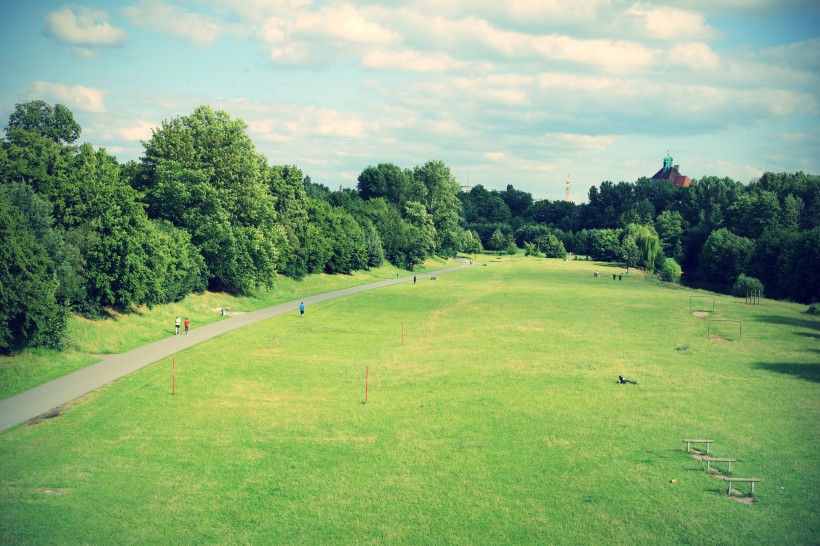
{"x": 814, "y": 309}
{"x": 743, "y": 285}
{"x": 669, "y": 270}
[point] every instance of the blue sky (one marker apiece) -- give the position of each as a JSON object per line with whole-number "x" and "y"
{"x": 514, "y": 92}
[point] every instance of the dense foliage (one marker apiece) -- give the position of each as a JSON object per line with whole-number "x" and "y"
{"x": 715, "y": 231}
{"x": 203, "y": 209}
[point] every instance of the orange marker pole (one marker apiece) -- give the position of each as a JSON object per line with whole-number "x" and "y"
{"x": 366, "y": 381}
{"x": 174, "y": 376}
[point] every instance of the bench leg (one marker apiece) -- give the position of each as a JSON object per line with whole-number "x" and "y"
{"x": 730, "y": 468}
{"x": 708, "y": 466}
{"x": 753, "y": 489}
{"x": 729, "y": 491}
{"x": 707, "y": 448}
{"x": 688, "y": 445}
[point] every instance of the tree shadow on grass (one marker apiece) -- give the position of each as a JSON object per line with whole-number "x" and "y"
{"x": 809, "y": 372}
{"x": 797, "y": 322}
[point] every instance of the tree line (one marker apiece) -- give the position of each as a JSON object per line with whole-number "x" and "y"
{"x": 203, "y": 209}
{"x": 725, "y": 236}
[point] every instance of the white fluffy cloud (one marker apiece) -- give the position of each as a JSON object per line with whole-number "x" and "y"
{"x": 166, "y": 18}
{"x": 520, "y": 91}
{"x": 76, "y": 97}
{"x": 83, "y": 27}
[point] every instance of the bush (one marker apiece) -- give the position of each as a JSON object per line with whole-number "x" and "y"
{"x": 743, "y": 285}
{"x": 669, "y": 270}
{"x": 814, "y": 309}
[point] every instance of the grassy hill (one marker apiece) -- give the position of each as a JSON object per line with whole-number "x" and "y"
{"x": 498, "y": 421}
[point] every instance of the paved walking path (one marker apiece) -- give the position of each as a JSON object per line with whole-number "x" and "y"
{"x": 39, "y": 400}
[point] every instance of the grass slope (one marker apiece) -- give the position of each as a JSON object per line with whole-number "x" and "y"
{"x": 497, "y": 422}
{"x": 121, "y": 332}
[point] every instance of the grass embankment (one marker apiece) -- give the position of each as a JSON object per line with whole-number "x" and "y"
{"x": 121, "y": 332}
{"x": 497, "y": 422}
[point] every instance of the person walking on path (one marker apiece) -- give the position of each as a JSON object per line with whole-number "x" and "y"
{"x": 302, "y": 309}
{"x": 187, "y": 325}
{"x": 176, "y": 326}
{"x": 414, "y": 279}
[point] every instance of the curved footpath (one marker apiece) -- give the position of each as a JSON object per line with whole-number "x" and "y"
{"x": 39, "y": 400}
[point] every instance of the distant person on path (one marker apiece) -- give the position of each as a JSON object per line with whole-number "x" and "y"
{"x": 613, "y": 276}
{"x": 596, "y": 273}
{"x": 176, "y": 327}
{"x": 623, "y": 381}
{"x": 187, "y": 325}
{"x": 414, "y": 279}
{"x": 302, "y": 309}
{"x": 619, "y": 278}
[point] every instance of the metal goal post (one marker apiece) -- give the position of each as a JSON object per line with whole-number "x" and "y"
{"x": 693, "y": 299}
{"x": 739, "y": 322}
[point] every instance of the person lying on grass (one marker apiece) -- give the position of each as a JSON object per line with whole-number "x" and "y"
{"x": 622, "y": 380}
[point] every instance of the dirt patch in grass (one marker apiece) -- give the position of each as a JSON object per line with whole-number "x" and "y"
{"x": 701, "y": 313}
{"x": 717, "y": 337}
{"x": 47, "y": 415}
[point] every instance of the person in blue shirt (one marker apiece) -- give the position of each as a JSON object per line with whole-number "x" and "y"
{"x": 302, "y": 309}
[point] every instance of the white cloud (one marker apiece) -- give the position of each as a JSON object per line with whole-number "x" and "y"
{"x": 83, "y": 27}
{"x": 803, "y": 55}
{"x": 166, "y": 18}
{"x": 587, "y": 142}
{"x": 694, "y": 55}
{"x": 610, "y": 55}
{"x": 410, "y": 61}
{"x": 667, "y": 23}
{"x": 330, "y": 32}
{"x": 79, "y": 97}
{"x": 140, "y": 130}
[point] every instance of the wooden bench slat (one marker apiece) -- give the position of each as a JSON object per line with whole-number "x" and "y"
{"x": 690, "y": 442}
{"x": 718, "y": 460}
{"x": 752, "y": 481}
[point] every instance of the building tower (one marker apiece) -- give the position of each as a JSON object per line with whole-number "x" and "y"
{"x": 567, "y": 196}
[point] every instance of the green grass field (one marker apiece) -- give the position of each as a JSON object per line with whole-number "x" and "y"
{"x": 498, "y": 421}
{"x": 121, "y": 332}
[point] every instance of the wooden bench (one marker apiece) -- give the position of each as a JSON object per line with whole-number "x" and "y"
{"x": 752, "y": 481}
{"x": 690, "y": 442}
{"x": 710, "y": 460}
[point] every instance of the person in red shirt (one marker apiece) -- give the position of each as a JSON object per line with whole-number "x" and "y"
{"x": 187, "y": 325}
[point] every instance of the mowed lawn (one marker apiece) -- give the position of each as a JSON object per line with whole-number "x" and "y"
{"x": 498, "y": 421}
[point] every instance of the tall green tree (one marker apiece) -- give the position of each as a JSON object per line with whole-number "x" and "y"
{"x": 670, "y": 228}
{"x": 53, "y": 122}
{"x": 65, "y": 260}
{"x": 29, "y": 312}
{"x": 442, "y": 204}
{"x": 202, "y": 173}
{"x": 103, "y": 217}
{"x": 420, "y": 234}
{"x": 387, "y": 180}
{"x": 725, "y": 256}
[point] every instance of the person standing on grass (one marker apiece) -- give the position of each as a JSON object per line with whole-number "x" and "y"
{"x": 414, "y": 279}
{"x": 302, "y": 309}
{"x": 187, "y": 325}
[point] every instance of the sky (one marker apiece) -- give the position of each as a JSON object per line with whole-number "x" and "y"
{"x": 521, "y": 92}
